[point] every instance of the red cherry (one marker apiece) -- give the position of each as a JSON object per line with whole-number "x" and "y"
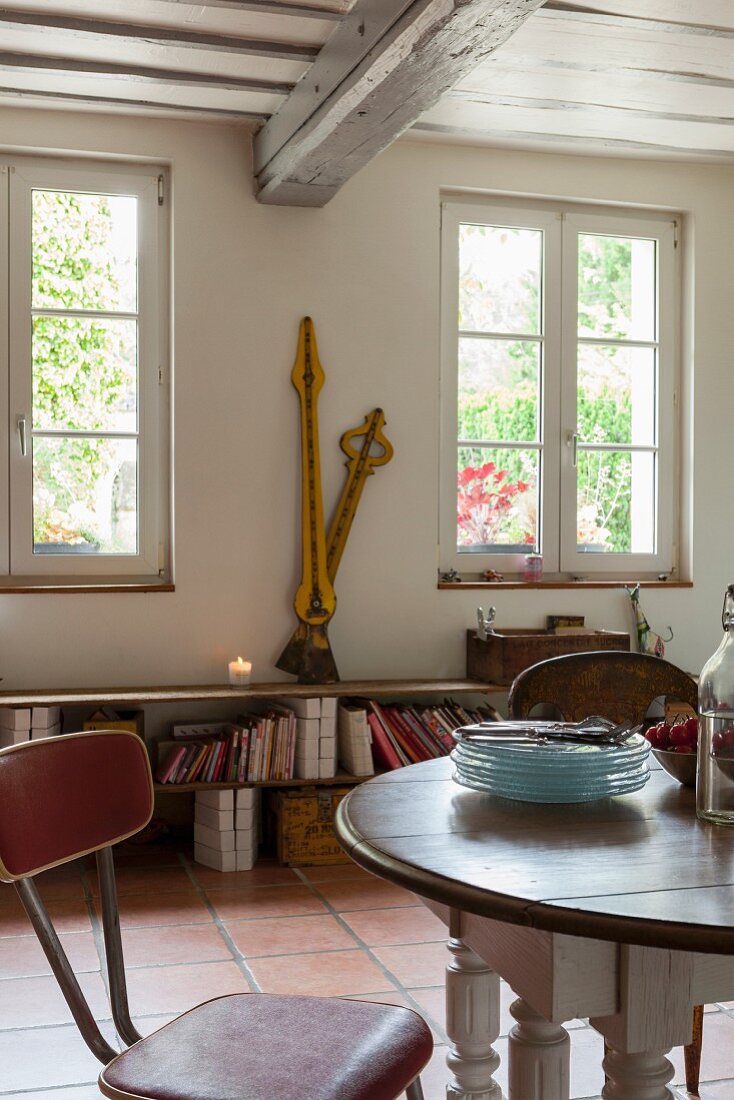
{"x": 692, "y": 730}
{"x": 679, "y": 734}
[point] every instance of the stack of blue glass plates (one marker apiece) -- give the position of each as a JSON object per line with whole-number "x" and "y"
{"x": 550, "y": 771}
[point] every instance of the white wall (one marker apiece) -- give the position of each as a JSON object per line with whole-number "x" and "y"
{"x": 366, "y": 269}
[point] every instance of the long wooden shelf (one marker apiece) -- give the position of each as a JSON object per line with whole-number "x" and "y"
{"x": 192, "y": 693}
{"x": 341, "y": 779}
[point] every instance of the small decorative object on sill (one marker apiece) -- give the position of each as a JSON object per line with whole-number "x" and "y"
{"x": 450, "y": 577}
{"x": 647, "y": 640}
{"x": 239, "y": 673}
{"x": 492, "y": 575}
{"x": 533, "y": 567}
{"x": 485, "y": 623}
{"x": 715, "y": 782}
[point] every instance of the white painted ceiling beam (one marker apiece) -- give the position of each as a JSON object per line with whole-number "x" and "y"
{"x": 65, "y": 26}
{"x": 357, "y": 98}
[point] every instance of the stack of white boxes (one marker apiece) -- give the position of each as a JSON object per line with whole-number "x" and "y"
{"x": 226, "y": 828}
{"x": 315, "y": 737}
{"x": 327, "y": 739}
{"x": 15, "y": 725}
{"x": 18, "y": 724}
{"x": 45, "y": 722}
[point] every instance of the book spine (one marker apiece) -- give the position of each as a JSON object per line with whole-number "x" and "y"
{"x": 169, "y": 765}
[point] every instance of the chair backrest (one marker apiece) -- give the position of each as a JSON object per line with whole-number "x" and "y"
{"x": 63, "y": 797}
{"x": 620, "y": 686}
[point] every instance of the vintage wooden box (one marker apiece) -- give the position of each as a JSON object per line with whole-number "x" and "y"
{"x": 504, "y": 654}
{"x": 304, "y": 822}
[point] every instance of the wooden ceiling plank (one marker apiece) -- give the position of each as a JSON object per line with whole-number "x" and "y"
{"x": 628, "y": 89}
{"x": 115, "y": 101}
{"x": 431, "y": 46}
{"x": 36, "y": 63}
{"x": 601, "y": 111}
{"x": 501, "y": 137}
{"x": 589, "y": 13}
{"x": 13, "y": 19}
{"x": 269, "y": 7}
{"x": 600, "y": 124}
{"x": 529, "y": 63}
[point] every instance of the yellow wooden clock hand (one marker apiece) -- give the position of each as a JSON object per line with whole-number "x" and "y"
{"x": 315, "y": 601}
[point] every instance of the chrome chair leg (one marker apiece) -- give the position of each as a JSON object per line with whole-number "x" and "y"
{"x": 414, "y": 1091}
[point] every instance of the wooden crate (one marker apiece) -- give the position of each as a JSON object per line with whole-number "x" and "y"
{"x": 304, "y": 822}
{"x": 506, "y": 653}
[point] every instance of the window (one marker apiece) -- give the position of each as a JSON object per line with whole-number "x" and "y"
{"x": 558, "y": 389}
{"x": 82, "y": 302}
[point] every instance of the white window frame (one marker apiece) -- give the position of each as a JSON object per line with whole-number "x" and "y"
{"x": 560, "y": 224}
{"x": 151, "y": 564}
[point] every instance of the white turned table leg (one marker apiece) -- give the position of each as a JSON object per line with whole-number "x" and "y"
{"x": 472, "y": 1025}
{"x": 539, "y": 1056}
{"x": 637, "y": 1076}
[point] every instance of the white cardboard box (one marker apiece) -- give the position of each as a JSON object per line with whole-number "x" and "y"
{"x": 328, "y": 706}
{"x": 327, "y": 769}
{"x": 44, "y": 718}
{"x": 307, "y": 729}
{"x": 246, "y": 797}
{"x": 13, "y": 737}
{"x": 15, "y": 718}
{"x": 219, "y": 861}
{"x": 245, "y": 819}
{"x": 307, "y": 769}
{"x": 218, "y": 800}
{"x": 328, "y": 726}
{"x": 245, "y": 840}
{"x": 212, "y": 838}
{"x": 221, "y": 820}
{"x": 38, "y": 734}
{"x": 307, "y": 707}
{"x": 245, "y": 861}
{"x": 327, "y": 748}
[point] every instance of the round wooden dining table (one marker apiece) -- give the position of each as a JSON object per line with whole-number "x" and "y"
{"x": 620, "y": 911}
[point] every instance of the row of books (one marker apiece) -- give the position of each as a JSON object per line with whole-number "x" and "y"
{"x": 256, "y": 749}
{"x": 400, "y": 733}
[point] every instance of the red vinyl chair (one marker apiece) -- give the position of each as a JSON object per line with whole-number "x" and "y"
{"x": 67, "y": 797}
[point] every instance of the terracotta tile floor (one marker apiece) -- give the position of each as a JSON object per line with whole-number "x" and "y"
{"x": 191, "y": 933}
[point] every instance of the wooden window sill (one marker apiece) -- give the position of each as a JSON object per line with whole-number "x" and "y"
{"x": 27, "y": 586}
{"x": 552, "y": 584}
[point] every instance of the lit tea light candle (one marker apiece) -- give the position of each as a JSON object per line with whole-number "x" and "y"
{"x": 239, "y": 672}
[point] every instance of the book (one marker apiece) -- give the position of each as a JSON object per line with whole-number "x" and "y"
{"x": 384, "y": 751}
{"x": 170, "y": 762}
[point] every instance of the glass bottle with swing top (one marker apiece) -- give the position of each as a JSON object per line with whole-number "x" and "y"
{"x": 715, "y": 773}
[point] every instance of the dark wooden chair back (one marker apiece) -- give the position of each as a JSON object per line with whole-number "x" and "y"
{"x": 619, "y": 686}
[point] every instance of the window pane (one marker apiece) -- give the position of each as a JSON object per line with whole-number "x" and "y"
{"x": 497, "y": 502}
{"x": 616, "y": 395}
{"x": 85, "y": 496}
{"x": 500, "y": 279}
{"x": 84, "y": 374}
{"x": 498, "y": 390}
{"x": 616, "y": 502}
{"x": 617, "y": 287}
{"x": 84, "y": 251}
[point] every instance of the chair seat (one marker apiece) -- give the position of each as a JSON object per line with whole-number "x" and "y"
{"x": 256, "y": 1046}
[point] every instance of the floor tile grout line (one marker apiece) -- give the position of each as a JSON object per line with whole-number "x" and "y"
{"x": 370, "y": 955}
{"x": 221, "y": 928}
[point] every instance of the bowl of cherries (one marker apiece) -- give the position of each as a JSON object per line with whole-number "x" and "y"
{"x": 674, "y": 746}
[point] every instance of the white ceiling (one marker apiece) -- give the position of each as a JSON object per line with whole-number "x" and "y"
{"x": 648, "y": 77}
